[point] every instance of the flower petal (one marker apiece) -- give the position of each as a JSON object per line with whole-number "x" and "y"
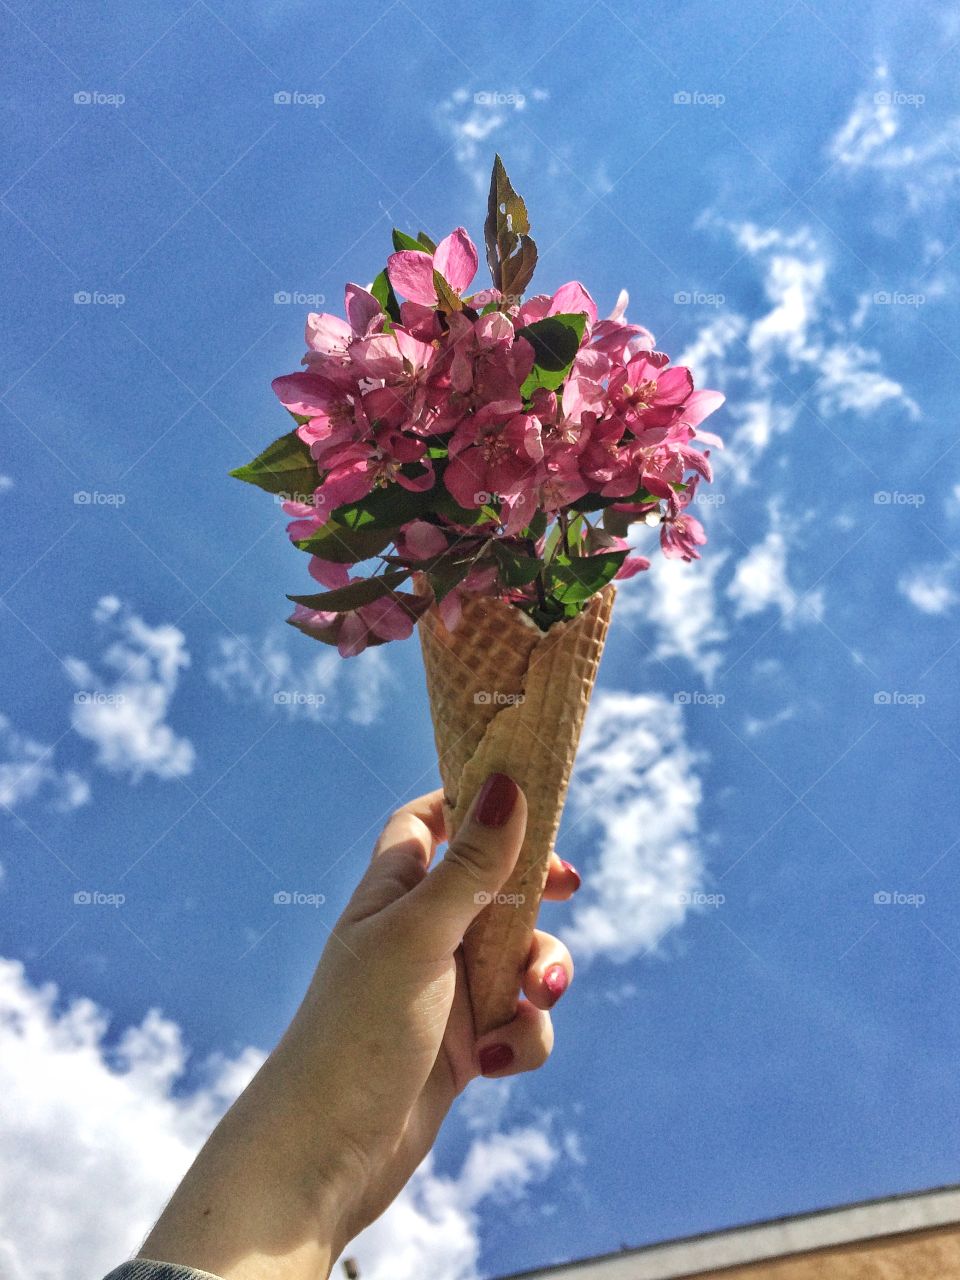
{"x": 456, "y": 259}
{"x": 411, "y": 274}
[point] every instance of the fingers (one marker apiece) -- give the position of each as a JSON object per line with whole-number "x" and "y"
{"x": 563, "y": 880}
{"x": 401, "y": 855}
{"x": 476, "y": 864}
{"x": 522, "y": 1045}
{"x": 549, "y": 971}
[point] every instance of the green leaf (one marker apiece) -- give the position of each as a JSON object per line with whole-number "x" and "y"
{"x": 426, "y": 242}
{"x": 537, "y": 526}
{"x": 344, "y": 545}
{"x": 284, "y": 467}
{"x": 555, "y": 342}
{"x": 402, "y": 241}
{"x": 514, "y": 568}
{"x": 511, "y": 253}
{"x": 382, "y": 290}
{"x": 447, "y": 299}
{"x": 574, "y": 580}
{"x": 366, "y": 591}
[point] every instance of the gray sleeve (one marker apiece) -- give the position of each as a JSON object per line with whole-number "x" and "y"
{"x": 144, "y": 1269}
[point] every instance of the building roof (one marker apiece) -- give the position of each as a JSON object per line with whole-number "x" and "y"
{"x": 761, "y": 1241}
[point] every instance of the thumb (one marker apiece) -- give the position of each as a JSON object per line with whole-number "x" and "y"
{"x": 478, "y": 861}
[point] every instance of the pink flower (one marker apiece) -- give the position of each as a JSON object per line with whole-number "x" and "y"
{"x": 490, "y": 457}
{"x": 375, "y": 623}
{"x": 362, "y": 466}
{"x": 420, "y": 540}
{"x": 411, "y": 272}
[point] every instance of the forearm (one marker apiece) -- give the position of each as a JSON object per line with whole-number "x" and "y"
{"x": 262, "y": 1199}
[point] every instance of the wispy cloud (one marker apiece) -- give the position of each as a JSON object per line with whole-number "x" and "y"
{"x": 124, "y": 710}
{"x": 801, "y": 328}
{"x": 886, "y": 134}
{"x": 27, "y": 772}
{"x": 300, "y": 678}
{"x": 637, "y": 792}
{"x": 472, "y": 118}
{"x": 762, "y": 579}
{"x": 680, "y": 602}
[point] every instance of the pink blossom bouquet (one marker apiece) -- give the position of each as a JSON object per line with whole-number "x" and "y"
{"x": 478, "y": 461}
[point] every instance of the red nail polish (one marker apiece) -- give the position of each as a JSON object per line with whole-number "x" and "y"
{"x": 494, "y": 1058}
{"x": 495, "y": 802}
{"x": 555, "y": 980}
{"x": 571, "y": 870}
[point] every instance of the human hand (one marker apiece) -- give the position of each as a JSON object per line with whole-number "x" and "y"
{"x": 352, "y": 1098}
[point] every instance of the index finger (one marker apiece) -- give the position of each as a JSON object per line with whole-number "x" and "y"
{"x": 407, "y": 824}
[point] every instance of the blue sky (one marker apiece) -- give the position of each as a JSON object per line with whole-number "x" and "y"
{"x": 773, "y": 741}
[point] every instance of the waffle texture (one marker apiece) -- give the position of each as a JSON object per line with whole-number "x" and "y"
{"x": 506, "y": 697}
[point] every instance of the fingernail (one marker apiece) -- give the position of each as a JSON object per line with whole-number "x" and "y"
{"x": 494, "y": 1058}
{"x": 555, "y": 980}
{"x": 571, "y": 870}
{"x": 495, "y": 802}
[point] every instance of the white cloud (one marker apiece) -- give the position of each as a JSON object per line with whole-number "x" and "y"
{"x": 761, "y": 580}
{"x": 299, "y": 677}
{"x": 6, "y": 483}
{"x": 680, "y": 601}
{"x": 99, "y": 1130}
{"x": 433, "y": 1226}
{"x": 930, "y": 588}
{"x": 471, "y": 118}
{"x": 124, "y": 712}
{"x": 635, "y": 785}
{"x": 801, "y": 331}
{"x": 887, "y": 134}
{"x": 95, "y": 1139}
{"x": 27, "y": 772}
{"x": 754, "y": 725}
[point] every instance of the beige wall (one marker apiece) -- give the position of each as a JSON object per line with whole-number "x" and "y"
{"x": 921, "y": 1255}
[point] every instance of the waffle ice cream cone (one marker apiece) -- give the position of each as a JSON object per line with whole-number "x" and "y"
{"x": 507, "y": 697}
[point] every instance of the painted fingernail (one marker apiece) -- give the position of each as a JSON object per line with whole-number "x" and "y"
{"x": 494, "y": 1058}
{"x": 571, "y": 870}
{"x": 495, "y": 803}
{"x": 555, "y": 980}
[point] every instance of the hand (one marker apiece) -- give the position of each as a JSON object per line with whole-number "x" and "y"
{"x": 352, "y": 1098}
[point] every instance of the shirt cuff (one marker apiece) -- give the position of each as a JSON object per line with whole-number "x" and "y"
{"x": 144, "y": 1269}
